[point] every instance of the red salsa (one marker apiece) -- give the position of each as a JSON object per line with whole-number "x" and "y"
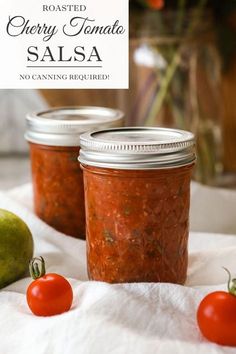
{"x": 137, "y": 224}
{"x": 58, "y": 188}
{"x": 137, "y": 195}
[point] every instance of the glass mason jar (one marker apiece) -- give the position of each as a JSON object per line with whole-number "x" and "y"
{"x": 137, "y": 192}
{"x": 176, "y": 73}
{"x": 57, "y": 179}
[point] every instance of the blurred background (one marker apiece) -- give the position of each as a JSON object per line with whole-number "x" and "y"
{"x": 182, "y": 74}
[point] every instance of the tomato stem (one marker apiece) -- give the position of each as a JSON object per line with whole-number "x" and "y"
{"x": 231, "y": 283}
{"x": 37, "y": 271}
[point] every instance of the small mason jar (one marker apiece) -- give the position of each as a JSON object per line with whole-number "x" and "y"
{"x": 137, "y": 194}
{"x": 57, "y": 179}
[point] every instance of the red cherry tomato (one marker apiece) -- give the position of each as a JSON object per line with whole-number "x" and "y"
{"x": 216, "y": 316}
{"x": 49, "y": 294}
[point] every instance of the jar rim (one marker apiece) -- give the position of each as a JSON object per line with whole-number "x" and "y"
{"x": 137, "y": 148}
{"x": 62, "y": 126}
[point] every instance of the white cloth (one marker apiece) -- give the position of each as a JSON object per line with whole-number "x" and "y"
{"x": 114, "y": 319}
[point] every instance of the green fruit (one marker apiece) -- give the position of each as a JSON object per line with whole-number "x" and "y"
{"x": 16, "y": 248}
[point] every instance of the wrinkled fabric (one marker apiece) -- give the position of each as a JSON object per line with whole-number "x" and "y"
{"x": 129, "y": 318}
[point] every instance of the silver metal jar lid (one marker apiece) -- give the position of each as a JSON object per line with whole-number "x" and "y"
{"x": 137, "y": 148}
{"x": 62, "y": 126}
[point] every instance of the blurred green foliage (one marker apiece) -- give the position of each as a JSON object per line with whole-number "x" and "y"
{"x": 224, "y": 21}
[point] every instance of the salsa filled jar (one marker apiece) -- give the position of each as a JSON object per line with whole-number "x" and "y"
{"x": 137, "y": 196}
{"x": 53, "y": 138}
